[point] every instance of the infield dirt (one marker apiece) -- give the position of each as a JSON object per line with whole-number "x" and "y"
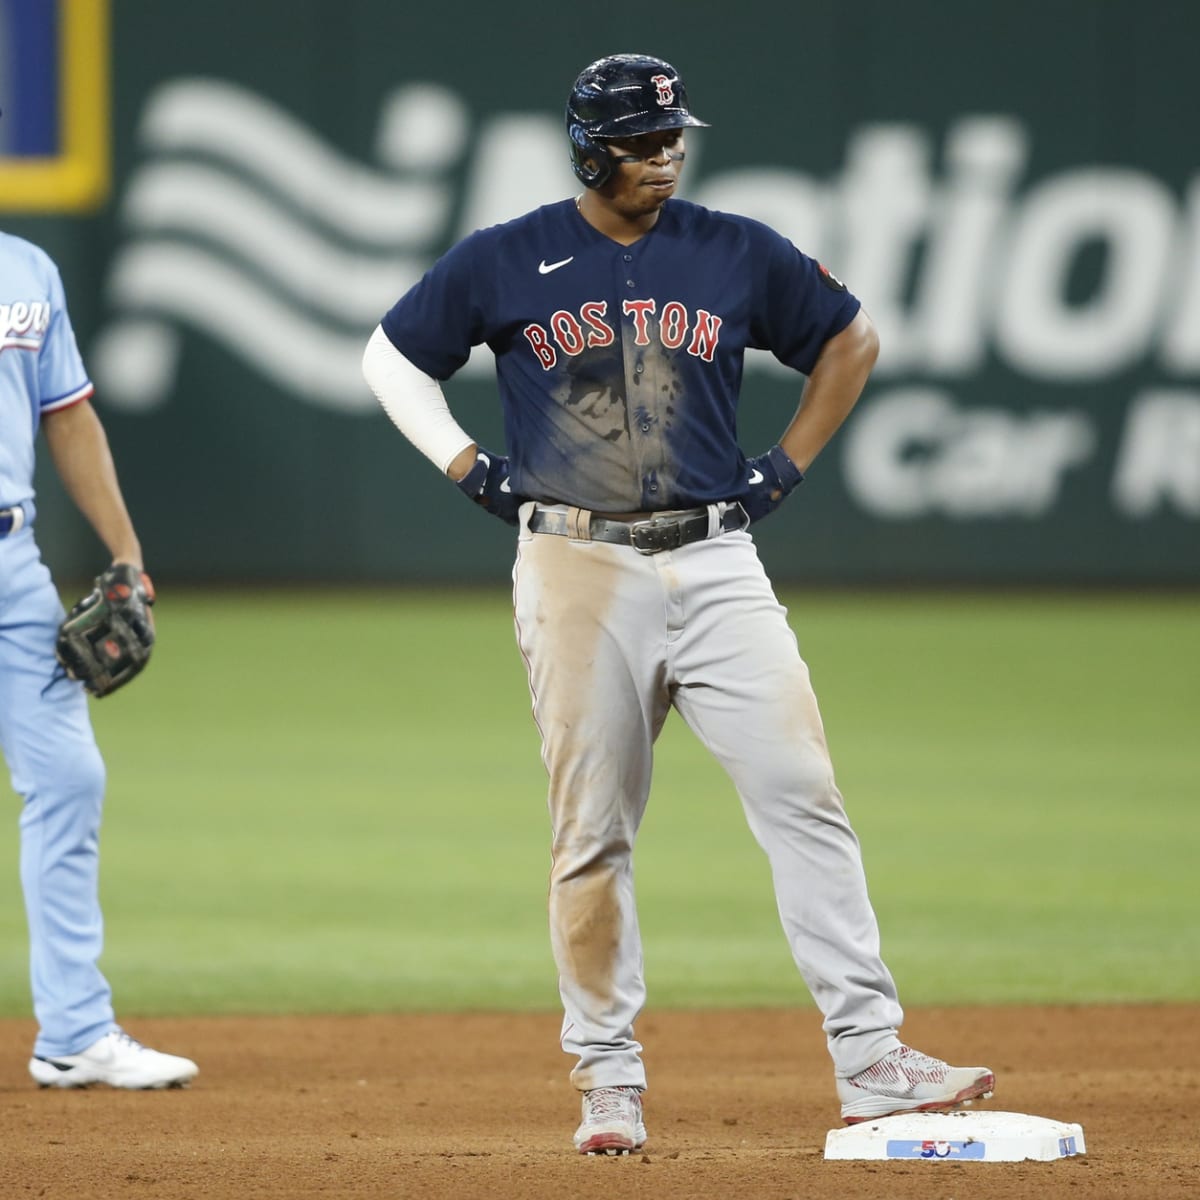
{"x": 478, "y": 1105}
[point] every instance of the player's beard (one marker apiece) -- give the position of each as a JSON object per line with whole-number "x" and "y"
{"x": 641, "y": 201}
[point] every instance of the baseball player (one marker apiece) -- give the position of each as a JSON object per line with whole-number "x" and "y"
{"x": 45, "y": 731}
{"x": 619, "y": 320}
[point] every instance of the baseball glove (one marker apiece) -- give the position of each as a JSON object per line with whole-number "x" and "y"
{"x": 106, "y": 638}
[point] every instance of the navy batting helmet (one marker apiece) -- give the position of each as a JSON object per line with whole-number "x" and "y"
{"x": 621, "y": 96}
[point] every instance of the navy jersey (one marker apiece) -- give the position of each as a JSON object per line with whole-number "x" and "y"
{"x": 619, "y": 367}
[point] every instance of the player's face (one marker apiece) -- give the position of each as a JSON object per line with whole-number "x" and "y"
{"x": 646, "y": 171}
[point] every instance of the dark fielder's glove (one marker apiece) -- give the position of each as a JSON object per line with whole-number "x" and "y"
{"x": 771, "y": 477}
{"x": 487, "y": 484}
{"x": 107, "y": 637}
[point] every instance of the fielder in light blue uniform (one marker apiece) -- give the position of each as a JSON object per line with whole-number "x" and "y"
{"x": 45, "y": 731}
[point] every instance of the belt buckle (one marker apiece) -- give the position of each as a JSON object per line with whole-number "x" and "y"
{"x": 656, "y": 535}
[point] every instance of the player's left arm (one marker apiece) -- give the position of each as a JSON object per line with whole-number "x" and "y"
{"x": 80, "y": 451}
{"x": 833, "y": 388}
{"x": 834, "y": 385}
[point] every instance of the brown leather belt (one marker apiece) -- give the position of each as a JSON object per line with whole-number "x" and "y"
{"x": 666, "y": 531}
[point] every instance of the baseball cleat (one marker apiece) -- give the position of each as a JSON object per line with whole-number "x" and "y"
{"x": 612, "y": 1122}
{"x": 117, "y": 1060}
{"x": 908, "y": 1081}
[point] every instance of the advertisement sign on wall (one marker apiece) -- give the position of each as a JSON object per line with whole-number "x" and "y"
{"x": 1028, "y": 247}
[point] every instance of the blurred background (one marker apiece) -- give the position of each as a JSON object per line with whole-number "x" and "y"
{"x": 237, "y": 192}
{"x": 334, "y": 800}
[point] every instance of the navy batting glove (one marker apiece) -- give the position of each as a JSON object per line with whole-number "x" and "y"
{"x": 771, "y": 477}
{"x": 487, "y": 484}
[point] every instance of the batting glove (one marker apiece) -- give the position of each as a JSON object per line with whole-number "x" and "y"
{"x": 771, "y": 478}
{"x": 487, "y": 484}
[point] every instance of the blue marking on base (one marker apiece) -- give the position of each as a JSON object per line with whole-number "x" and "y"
{"x": 912, "y": 1148}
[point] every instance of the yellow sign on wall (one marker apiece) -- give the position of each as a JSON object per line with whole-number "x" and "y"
{"x": 58, "y": 160}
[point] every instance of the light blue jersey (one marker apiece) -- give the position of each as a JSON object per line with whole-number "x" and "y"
{"x": 40, "y": 366}
{"x": 45, "y": 732}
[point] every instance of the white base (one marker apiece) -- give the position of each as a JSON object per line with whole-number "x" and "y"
{"x": 958, "y": 1137}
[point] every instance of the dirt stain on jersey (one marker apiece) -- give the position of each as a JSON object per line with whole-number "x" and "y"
{"x": 600, "y": 409}
{"x": 616, "y": 414}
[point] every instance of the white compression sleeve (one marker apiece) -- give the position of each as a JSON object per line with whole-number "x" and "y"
{"x": 414, "y": 401}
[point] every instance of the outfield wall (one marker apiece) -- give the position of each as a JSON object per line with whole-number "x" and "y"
{"x": 1017, "y": 202}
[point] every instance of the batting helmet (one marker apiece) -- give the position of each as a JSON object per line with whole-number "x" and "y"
{"x": 620, "y": 96}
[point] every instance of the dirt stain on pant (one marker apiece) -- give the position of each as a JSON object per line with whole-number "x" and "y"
{"x": 585, "y": 923}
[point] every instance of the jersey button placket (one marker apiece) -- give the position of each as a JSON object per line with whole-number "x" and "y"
{"x": 632, "y": 377}
{"x": 636, "y": 412}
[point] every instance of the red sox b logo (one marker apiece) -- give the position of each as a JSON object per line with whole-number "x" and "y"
{"x": 666, "y": 93}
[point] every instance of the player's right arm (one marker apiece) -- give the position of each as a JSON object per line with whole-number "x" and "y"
{"x": 417, "y": 407}
{"x": 426, "y": 336}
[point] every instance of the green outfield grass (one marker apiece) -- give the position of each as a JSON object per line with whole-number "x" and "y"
{"x": 334, "y": 802}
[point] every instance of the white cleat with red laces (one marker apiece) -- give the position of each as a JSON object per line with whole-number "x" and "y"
{"x": 908, "y": 1081}
{"x": 612, "y": 1121}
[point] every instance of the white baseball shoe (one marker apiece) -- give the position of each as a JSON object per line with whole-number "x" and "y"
{"x": 612, "y": 1121}
{"x": 117, "y": 1060}
{"x": 908, "y": 1081}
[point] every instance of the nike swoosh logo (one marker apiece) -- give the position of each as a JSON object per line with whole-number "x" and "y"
{"x": 544, "y": 268}
{"x": 506, "y": 487}
{"x": 58, "y": 1066}
{"x": 756, "y": 477}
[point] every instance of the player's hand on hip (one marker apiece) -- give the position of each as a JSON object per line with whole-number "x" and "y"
{"x": 487, "y": 484}
{"x": 770, "y": 478}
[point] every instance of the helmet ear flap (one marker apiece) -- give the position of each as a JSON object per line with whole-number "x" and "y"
{"x": 590, "y": 159}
